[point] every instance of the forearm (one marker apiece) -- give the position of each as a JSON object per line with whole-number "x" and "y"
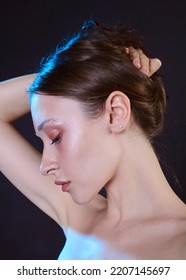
{"x": 14, "y": 99}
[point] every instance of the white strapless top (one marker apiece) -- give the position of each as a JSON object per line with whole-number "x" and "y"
{"x": 87, "y": 247}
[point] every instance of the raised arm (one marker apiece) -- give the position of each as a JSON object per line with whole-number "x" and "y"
{"x": 19, "y": 161}
{"x": 13, "y": 98}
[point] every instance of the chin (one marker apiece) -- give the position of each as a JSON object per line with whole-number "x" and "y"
{"x": 81, "y": 199}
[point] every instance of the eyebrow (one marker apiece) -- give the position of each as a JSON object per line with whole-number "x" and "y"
{"x": 40, "y": 127}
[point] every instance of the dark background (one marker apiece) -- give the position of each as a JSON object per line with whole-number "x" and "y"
{"x": 29, "y": 31}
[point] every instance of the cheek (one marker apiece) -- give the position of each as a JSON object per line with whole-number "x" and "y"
{"x": 69, "y": 152}
{"x": 75, "y": 143}
{"x": 87, "y": 156}
{"x": 95, "y": 162}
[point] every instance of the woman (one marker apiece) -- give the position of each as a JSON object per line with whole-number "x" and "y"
{"x": 97, "y": 115}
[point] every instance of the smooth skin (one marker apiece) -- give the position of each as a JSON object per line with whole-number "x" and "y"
{"x": 141, "y": 209}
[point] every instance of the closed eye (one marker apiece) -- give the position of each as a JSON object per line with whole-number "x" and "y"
{"x": 56, "y": 140}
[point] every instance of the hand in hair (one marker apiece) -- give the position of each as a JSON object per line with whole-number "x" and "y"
{"x": 145, "y": 64}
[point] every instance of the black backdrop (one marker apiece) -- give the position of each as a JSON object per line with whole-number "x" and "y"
{"x": 29, "y": 31}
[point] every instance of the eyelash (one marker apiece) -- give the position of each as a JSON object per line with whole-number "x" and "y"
{"x": 56, "y": 140}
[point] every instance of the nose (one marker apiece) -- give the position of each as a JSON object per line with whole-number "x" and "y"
{"x": 48, "y": 167}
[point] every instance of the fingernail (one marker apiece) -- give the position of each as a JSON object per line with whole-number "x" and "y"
{"x": 136, "y": 63}
{"x": 126, "y": 50}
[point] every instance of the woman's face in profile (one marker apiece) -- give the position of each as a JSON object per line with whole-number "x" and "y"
{"x": 76, "y": 149}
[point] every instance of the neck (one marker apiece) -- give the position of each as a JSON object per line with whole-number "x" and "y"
{"x": 139, "y": 187}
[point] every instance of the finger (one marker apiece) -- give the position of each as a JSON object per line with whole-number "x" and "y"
{"x": 154, "y": 65}
{"x": 146, "y": 65}
{"x": 144, "y": 62}
{"x": 135, "y": 56}
{"x": 126, "y": 50}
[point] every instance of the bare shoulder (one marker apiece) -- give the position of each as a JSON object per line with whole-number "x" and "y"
{"x": 164, "y": 237}
{"x": 180, "y": 238}
{"x": 177, "y": 240}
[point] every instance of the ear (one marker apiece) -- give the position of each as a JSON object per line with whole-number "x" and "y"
{"x": 118, "y": 110}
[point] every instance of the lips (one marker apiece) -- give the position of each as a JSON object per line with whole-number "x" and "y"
{"x": 64, "y": 185}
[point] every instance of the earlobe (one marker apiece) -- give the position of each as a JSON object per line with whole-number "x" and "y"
{"x": 118, "y": 109}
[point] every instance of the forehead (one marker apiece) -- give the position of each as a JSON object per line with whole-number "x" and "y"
{"x": 49, "y": 103}
{"x": 53, "y": 107}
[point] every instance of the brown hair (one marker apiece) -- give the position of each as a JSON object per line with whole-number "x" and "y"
{"x": 92, "y": 64}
